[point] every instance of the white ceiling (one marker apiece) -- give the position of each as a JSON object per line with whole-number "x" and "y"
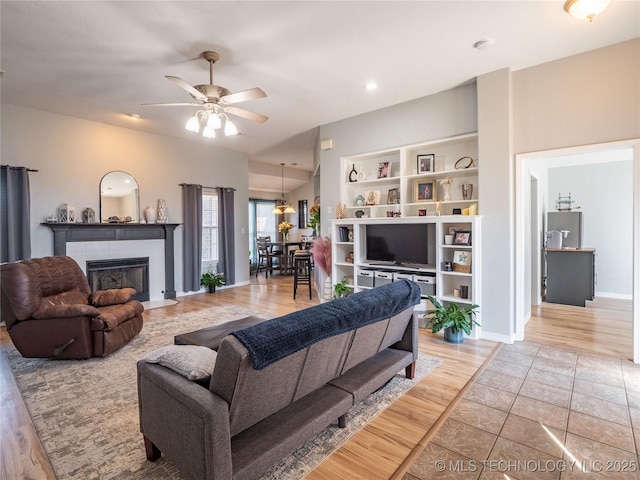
{"x": 100, "y": 60}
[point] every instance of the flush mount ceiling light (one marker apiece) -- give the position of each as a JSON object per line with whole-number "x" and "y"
{"x": 370, "y": 86}
{"x": 281, "y": 205}
{"x": 586, "y": 9}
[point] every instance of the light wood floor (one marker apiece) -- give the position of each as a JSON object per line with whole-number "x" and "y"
{"x": 384, "y": 449}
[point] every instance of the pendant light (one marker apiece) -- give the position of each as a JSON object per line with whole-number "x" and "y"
{"x": 282, "y": 206}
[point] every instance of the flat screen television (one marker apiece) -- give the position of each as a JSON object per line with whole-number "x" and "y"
{"x": 397, "y": 243}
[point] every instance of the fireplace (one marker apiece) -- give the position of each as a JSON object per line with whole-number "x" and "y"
{"x": 120, "y": 273}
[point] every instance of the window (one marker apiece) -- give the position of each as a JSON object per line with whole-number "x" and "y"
{"x": 209, "y": 231}
{"x": 262, "y": 222}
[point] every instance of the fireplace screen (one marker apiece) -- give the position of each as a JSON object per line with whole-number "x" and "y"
{"x": 120, "y": 273}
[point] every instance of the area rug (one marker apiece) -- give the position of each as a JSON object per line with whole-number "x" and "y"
{"x": 86, "y": 411}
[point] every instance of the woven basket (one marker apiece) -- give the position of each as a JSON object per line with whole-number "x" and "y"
{"x": 461, "y": 268}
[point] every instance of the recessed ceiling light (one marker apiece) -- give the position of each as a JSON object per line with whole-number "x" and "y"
{"x": 483, "y": 44}
{"x": 134, "y": 115}
{"x": 370, "y": 86}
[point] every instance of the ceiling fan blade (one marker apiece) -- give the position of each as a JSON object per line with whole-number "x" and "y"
{"x": 184, "y": 85}
{"x": 171, "y": 105}
{"x": 251, "y": 94}
{"x": 241, "y": 112}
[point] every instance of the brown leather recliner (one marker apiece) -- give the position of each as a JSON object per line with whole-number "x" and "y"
{"x": 50, "y": 312}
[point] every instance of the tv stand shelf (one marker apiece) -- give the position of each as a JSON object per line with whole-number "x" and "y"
{"x": 433, "y": 277}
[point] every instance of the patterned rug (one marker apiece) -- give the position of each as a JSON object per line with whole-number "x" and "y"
{"x": 86, "y": 411}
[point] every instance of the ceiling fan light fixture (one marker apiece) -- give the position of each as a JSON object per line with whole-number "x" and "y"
{"x": 193, "y": 124}
{"x": 585, "y": 9}
{"x": 214, "y": 121}
{"x": 229, "y": 128}
{"x": 209, "y": 132}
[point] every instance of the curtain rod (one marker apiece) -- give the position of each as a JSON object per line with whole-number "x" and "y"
{"x": 210, "y": 188}
{"x": 17, "y": 168}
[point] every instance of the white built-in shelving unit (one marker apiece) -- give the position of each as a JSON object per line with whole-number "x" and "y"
{"x": 360, "y": 177}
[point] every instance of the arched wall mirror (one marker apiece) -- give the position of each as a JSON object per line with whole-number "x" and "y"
{"x": 119, "y": 198}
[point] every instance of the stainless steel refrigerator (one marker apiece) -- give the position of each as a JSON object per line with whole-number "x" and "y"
{"x": 571, "y": 221}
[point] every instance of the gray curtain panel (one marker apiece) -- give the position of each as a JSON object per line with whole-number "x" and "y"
{"x": 226, "y": 237}
{"x": 192, "y": 238}
{"x": 15, "y": 219}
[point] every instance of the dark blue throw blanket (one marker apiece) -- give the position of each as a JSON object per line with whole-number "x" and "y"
{"x": 275, "y": 339}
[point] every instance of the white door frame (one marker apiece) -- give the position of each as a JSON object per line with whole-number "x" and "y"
{"x": 523, "y": 218}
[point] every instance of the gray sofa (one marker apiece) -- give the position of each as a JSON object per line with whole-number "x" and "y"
{"x": 278, "y": 383}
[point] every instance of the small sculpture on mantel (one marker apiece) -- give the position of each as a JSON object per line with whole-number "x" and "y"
{"x": 446, "y": 185}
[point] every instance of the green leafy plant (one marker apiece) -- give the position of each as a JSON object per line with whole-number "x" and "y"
{"x": 341, "y": 290}
{"x": 211, "y": 280}
{"x": 452, "y": 317}
{"x": 314, "y": 217}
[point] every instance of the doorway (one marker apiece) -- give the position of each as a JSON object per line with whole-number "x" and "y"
{"x": 527, "y": 167}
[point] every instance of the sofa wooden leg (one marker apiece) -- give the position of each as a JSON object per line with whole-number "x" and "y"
{"x": 410, "y": 370}
{"x": 342, "y": 421}
{"x": 153, "y": 452}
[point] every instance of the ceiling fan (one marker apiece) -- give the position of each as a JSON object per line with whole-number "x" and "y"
{"x": 216, "y": 103}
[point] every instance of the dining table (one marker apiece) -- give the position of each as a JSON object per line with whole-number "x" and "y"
{"x": 285, "y": 268}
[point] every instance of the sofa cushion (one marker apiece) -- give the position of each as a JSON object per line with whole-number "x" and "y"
{"x": 190, "y": 361}
{"x": 72, "y": 297}
{"x": 66, "y": 311}
{"x": 113, "y": 296}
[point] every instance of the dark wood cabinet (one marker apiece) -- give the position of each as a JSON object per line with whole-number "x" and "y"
{"x": 570, "y": 276}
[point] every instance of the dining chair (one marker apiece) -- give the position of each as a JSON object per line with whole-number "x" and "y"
{"x": 266, "y": 256}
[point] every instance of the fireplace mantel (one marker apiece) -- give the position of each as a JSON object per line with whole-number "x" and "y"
{"x": 108, "y": 232}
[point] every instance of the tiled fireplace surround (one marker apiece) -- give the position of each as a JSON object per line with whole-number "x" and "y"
{"x": 105, "y": 241}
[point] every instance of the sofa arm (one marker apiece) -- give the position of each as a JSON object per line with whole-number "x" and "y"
{"x": 409, "y": 340}
{"x": 185, "y": 421}
{"x": 113, "y": 296}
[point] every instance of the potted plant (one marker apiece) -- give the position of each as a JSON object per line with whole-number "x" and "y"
{"x": 314, "y": 219}
{"x": 341, "y": 290}
{"x": 454, "y": 320}
{"x": 211, "y": 280}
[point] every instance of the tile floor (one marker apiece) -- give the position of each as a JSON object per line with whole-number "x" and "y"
{"x": 541, "y": 412}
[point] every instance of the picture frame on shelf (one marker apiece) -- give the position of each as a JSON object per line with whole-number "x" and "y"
{"x": 462, "y": 237}
{"x": 384, "y": 169}
{"x": 393, "y": 196}
{"x": 453, "y": 230}
{"x": 426, "y": 163}
{"x": 462, "y": 261}
{"x": 425, "y": 191}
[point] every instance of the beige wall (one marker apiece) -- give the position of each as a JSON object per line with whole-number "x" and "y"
{"x": 589, "y": 98}
{"x": 72, "y": 155}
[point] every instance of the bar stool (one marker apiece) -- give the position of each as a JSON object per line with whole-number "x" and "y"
{"x": 301, "y": 270}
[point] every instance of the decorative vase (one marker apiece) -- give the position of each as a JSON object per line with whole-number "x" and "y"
{"x": 447, "y": 191}
{"x": 451, "y": 337}
{"x": 328, "y": 289}
{"x": 314, "y": 234}
{"x": 162, "y": 211}
{"x": 285, "y": 237}
{"x": 150, "y": 215}
{"x": 467, "y": 191}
